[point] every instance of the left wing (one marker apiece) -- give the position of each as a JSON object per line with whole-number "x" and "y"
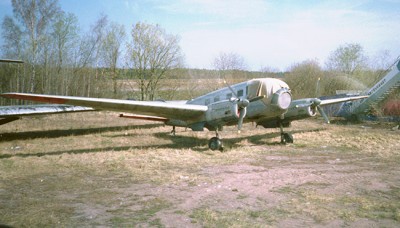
{"x": 169, "y": 110}
{"x": 11, "y": 113}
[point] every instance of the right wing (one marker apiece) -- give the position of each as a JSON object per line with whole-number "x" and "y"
{"x": 170, "y": 110}
{"x": 308, "y": 107}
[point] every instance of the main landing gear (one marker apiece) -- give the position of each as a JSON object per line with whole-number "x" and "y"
{"x": 215, "y": 143}
{"x": 285, "y": 137}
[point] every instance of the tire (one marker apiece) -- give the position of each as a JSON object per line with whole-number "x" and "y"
{"x": 287, "y": 138}
{"x": 215, "y": 144}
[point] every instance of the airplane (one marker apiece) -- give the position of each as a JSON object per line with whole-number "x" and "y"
{"x": 15, "y": 112}
{"x": 265, "y": 101}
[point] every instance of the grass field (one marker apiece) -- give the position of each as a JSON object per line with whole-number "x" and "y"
{"x": 95, "y": 169}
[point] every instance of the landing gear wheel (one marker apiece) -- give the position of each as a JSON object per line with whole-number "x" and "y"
{"x": 286, "y": 138}
{"x": 215, "y": 144}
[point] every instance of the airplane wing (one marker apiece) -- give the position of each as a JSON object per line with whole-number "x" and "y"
{"x": 340, "y": 100}
{"x": 11, "y": 113}
{"x": 308, "y": 107}
{"x": 170, "y": 110}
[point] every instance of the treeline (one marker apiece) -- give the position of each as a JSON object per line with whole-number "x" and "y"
{"x": 61, "y": 59}
{"x": 145, "y": 62}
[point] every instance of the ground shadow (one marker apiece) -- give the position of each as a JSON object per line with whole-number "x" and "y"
{"x": 177, "y": 142}
{"x": 69, "y": 132}
{"x": 78, "y": 151}
{"x": 182, "y": 142}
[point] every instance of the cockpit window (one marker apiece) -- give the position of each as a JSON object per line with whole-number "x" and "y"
{"x": 240, "y": 93}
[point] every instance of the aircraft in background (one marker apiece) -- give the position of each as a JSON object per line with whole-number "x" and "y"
{"x": 387, "y": 85}
{"x": 265, "y": 101}
{"x": 15, "y": 112}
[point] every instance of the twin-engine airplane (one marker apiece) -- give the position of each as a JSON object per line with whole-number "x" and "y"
{"x": 266, "y": 101}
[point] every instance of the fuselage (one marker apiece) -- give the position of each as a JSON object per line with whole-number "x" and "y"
{"x": 274, "y": 99}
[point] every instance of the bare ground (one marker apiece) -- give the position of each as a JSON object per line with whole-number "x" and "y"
{"x": 93, "y": 169}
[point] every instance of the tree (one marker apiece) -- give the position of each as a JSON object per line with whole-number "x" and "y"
{"x": 230, "y": 66}
{"x": 304, "y": 77}
{"x": 86, "y": 55}
{"x": 35, "y": 17}
{"x": 64, "y": 35}
{"x": 229, "y": 61}
{"x": 111, "y": 50}
{"x": 63, "y": 38}
{"x": 12, "y": 35}
{"x": 150, "y": 54}
{"x": 89, "y": 45}
{"x": 347, "y": 59}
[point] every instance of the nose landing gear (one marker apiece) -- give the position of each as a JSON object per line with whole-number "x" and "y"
{"x": 285, "y": 137}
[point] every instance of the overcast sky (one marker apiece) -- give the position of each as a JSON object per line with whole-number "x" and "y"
{"x": 265, "y": 33}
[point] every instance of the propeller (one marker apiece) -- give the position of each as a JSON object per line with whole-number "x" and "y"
{"x": 316, "y": 104}
{"x": 242, "y": 104}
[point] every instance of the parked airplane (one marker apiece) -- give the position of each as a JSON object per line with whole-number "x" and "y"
{"x": 12, "y": 113}
{"x": 387, "y": 85}
{"x": 267, "y": 102}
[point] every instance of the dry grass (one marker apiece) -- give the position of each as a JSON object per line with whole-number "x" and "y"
{"x": 94, "y": 169}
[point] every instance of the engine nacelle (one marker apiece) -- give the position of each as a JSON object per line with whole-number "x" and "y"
{"x": 282, "y": 98}
{"x": 222, "y": 113}
{"x": 296, "y": 113}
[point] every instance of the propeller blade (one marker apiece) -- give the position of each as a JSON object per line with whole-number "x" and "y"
{"x": 323, "y": 114}
{"x": 316, "y": 102}
{"x": 242, "y": 114}
{"x": 230, "y": 88}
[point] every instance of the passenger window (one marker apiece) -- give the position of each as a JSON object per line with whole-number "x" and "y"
{"x": 228, "y": 96}
{"x": 240, "y": 93}
{"x": 207, "y": 102}
{"x": 216, "y": 98}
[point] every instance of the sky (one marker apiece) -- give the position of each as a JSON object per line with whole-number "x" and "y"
{"x": 266, "y": 33}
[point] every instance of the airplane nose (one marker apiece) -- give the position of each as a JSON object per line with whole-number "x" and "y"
{"x": 282, "y": 98}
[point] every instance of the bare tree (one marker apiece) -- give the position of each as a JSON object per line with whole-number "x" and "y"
{"x": 13, "y": 45}
{"x": 35, "y": 17}
{"x": 230, "y": 66}
{"x": 111, "y": 50}
{"x": 347, "y": 59}
{"x": 64, "y": 38}
{"x": 151, "y": 53}
{"x": 229, "y": 61}
{"x": 86, "y": 55}
{"x": 65, "y": 35}
{"x": 88, "y": 49}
